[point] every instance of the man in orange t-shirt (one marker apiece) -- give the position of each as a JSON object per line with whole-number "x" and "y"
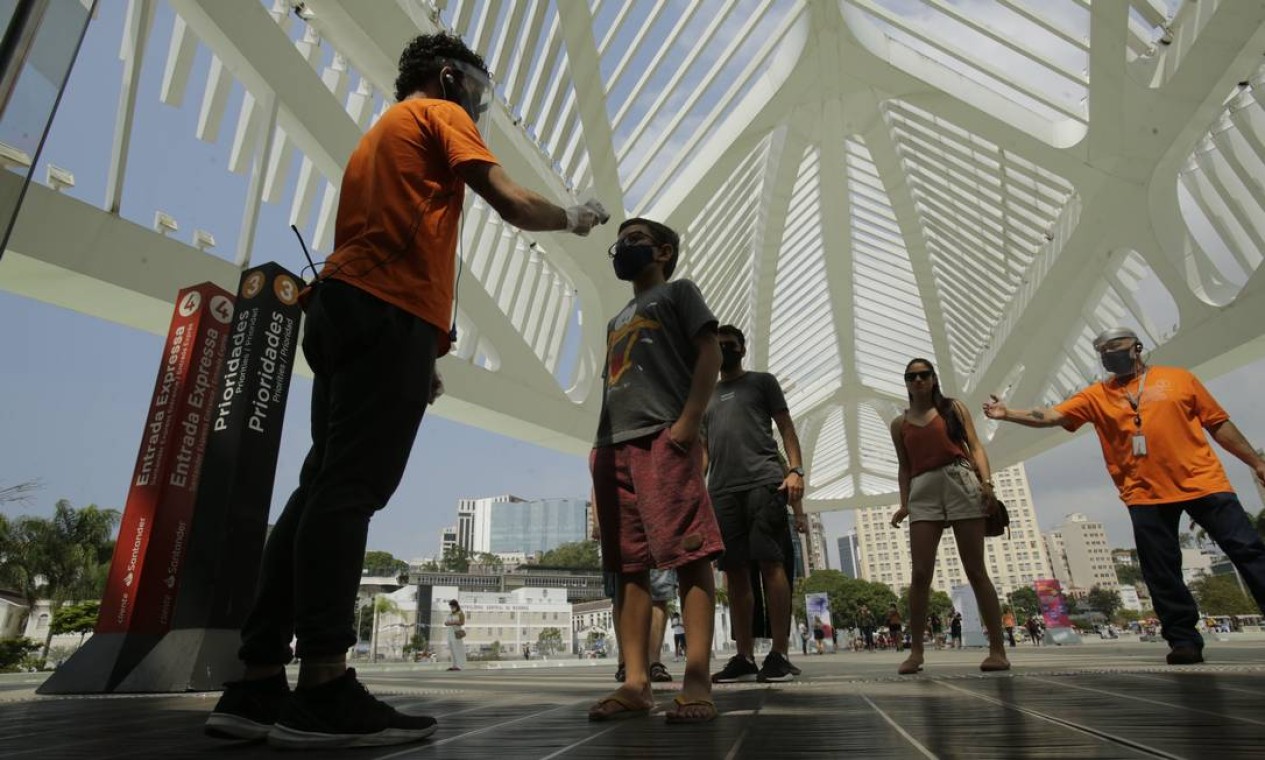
{"x": 378, "y": 316}
{"x": 1151, "y": 422}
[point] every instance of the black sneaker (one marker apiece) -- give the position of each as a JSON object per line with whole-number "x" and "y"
{"x": 620, "y": 673}
{"x": 659, "y": 673}
{"x": 776, "y": 668}
{"x": 1185, "y": 656}
{"x": 247, "y": 709}
{"x": 738, "y": 668}
{"x": 795, "y": 671}
{"x": 342, "y": 713}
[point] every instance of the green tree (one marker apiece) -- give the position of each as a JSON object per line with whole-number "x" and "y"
{"x": 494, "y": 650}
{"x": 490, "y": 561}
{"x": 578, "y": 555}
{"x": 418, "y": 643}
{"x": 939, "y": 603}
{"x": 593, "y": 640}
{"x": 456, "y": 559}
{"x": 550, "y": 641}
{"x": 1221, "y": 595}
{"x": 76, "y": 618}
{"x": 1103, "y": 600}
{"x": 14, "y": 651}
{"x": 1129, "y": 575}
{"x": 1186, "y": 539}
{"x": 1024, "y": 601}
{"x": 61, "y": 558}
{"x": 846, "y": 596}
{"x": 384, "y": 565}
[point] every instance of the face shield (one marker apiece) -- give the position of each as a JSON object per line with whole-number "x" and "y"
{"x": 473, "y": 89}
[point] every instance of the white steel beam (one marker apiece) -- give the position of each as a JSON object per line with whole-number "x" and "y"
{"x": 140, "y": 18}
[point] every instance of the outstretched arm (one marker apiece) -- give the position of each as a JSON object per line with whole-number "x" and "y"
{"x": 1040, "y": 417}
{"x": 1232, "y": 440}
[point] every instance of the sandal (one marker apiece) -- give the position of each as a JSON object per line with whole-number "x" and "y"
{"x": 617, "y": 706}
{"x": 677, "y": 715}
{"x": 909, "y": 667}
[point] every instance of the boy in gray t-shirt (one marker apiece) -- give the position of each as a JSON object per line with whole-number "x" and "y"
{"x": 650, "y": 497}
{"x": 750, "y": 490}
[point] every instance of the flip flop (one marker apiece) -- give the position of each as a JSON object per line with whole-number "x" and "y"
{"x": 627, "y": 708}
{"x": 906, "y": 670}
{"x": 675, "y": 716}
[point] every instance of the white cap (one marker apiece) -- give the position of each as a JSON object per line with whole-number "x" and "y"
{"x": 1115, "y": 333}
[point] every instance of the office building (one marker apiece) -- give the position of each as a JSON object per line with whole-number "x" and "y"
{"x": 848, "y": 554}
{"x": 538, "y": 525}
{"x": 1082, "y": 557}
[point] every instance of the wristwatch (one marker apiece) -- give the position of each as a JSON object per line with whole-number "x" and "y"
{"x": 797, "y": 470}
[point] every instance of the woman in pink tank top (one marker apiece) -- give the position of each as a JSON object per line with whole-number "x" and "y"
{"x": 944, "y": 481}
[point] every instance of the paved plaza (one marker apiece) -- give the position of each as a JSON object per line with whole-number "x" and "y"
{"x": 1100, "y": 700}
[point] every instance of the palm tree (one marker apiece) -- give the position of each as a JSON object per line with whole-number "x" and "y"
{"x": 382, "y": 605}
{"x": 63, "y": 558}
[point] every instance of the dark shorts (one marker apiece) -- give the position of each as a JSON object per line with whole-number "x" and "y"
{"x": 652, "y": 505}
{"x": 754, "y": 524}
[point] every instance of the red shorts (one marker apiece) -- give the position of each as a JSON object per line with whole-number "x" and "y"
{"x": 652, "y": 505}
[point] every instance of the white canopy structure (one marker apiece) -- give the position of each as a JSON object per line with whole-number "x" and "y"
{"x": 984, "y": 183}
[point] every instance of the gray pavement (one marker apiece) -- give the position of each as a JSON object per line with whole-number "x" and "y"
{"x": 1100, "y": 700}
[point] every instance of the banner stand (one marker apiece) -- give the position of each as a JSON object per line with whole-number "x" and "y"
{"x": 144, "y": 576}
{"x": 199, "y": 653}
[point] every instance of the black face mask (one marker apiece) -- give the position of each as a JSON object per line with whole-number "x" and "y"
{"x": 730, "y": 358}
{"x": 1118, "y": 362}
{"x": 630, "y": 260}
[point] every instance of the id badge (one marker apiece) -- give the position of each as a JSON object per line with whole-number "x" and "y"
{"x": 1139, "y": 445}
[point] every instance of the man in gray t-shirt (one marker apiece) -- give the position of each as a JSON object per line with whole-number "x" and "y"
{"x": 750, "y": 491}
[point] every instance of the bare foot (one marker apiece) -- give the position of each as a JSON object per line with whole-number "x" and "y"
{"x": 911, "y": 665}
{"x": 994, "y": 662}
{"x": 691, "y": 710}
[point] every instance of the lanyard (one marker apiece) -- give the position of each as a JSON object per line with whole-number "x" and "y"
{"x": 1136, "y": 401}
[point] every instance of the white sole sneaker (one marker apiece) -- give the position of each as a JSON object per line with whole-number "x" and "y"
{"x": 284, "y": 737}
{"x": 230, "y": 726}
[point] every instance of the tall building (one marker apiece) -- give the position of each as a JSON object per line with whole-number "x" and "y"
{"x": 1082, "y": 556}
{"x": 849, "y": 555}
{"x": 511, "y": 525}
{"x": 538, "y": 525}
{"x": 1014, "y": 560}
{"x": 817, "y": 556}
{"x": 474, "y": 524}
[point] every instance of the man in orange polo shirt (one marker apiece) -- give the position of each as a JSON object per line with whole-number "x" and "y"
{"x": 1151, "y": 422}
{"x": 378, "y": 316}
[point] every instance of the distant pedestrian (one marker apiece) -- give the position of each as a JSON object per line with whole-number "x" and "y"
{"x": 456, "y": 625}
{"x": 867, "y": 624}
{"x": 937, "y": 630}
{"x": 1008, "y": 623}
{"x": 894, "y": 626}
{"x": 819, "y": 635}
{"x": 804, "y": 635}
{"x": 955, "y": 630}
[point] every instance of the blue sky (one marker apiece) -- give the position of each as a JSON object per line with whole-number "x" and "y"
{"x": 75, "y": 389}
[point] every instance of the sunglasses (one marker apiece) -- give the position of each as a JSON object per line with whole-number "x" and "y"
{"x": 925, "y": 374}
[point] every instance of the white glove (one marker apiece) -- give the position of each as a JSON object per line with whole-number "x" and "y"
{"x": 586, "y": 216}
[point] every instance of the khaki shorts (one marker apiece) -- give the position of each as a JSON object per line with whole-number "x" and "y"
{"x": 950, "y": 493}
